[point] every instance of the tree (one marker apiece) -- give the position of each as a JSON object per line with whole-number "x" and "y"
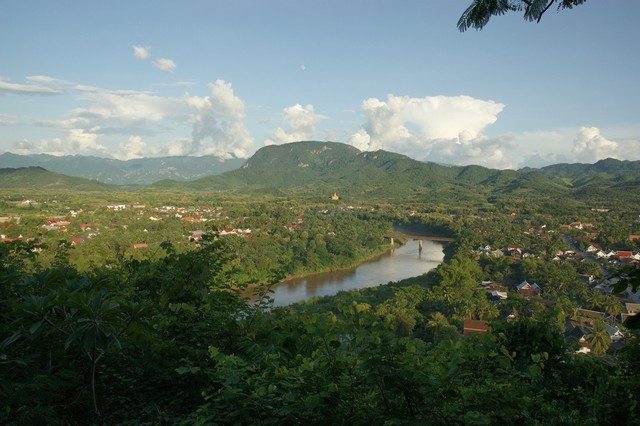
{"x": 599, "y": 338}
{"x": 477, "y": 15}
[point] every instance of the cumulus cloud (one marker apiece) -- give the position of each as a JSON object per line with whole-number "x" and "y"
{"x": 31, "y": 88}
{"x": 180, "y": 146}
{"x": 218, "y": 122}
{"x": 165, "y": 64}
{"x": 482, "y": 150}
{"x": 134, "y": 147}
{"x": 589, "y": 145}
{"x": 436, "y": 128}
{"x": 301, "y": 120}
{"x": 77, "y": 141}
{"x": 141, "y": 52}
{"x": 570, "y": 145}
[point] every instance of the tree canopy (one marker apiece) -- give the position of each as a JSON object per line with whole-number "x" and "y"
{"x": 477, "y": 15}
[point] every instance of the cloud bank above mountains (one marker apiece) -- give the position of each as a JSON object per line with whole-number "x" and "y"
{"x": 127, "y": 124}
{"x": 440, "y": 128}
{"x": 216, "y": 122}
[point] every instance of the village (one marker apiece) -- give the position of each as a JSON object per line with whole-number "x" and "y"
{"x": 143, "y": 226}
{"x": 608, "y": 310}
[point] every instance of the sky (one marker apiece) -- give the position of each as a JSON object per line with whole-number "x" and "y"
{"x": 131, "y": 79}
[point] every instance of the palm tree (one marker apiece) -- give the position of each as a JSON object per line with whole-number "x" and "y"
{"x": 595, "y": 299}
{"x": 612, "y": 305}
{"x": 438, "y": 324}
{"x": 599, "y": 338}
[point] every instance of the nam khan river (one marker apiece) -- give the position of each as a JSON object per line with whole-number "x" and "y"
{"x": 404, "y": 262}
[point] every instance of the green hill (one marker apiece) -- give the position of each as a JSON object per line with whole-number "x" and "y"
{"x": 323, "y": 167}
{"x": 39, "y": 178}
{"x": 142, "y": 171}
{"x": 605, "y": 172}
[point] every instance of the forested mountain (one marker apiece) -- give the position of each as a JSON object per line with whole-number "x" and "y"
{"x": 604, "y": 172}
{"x": 320, "y": 167}
{"x": 39, "y": 178}
{"x": 142, "y": 171}
{"x": 332, "y": 166}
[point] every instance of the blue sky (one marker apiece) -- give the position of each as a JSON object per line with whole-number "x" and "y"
{"x": 226, "y": 78}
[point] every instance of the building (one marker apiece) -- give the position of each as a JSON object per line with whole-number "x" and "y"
{"x": 529, "y": 290}
{"x": 474, "y": 327}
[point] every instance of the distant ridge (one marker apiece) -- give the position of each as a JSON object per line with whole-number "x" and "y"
{"x": 39, "y": 178}
{"x": 324, "y": 167}
{"x": 610, "y": 172}
{"x": 327, "y": 166}
{"x": 141, "y": 171}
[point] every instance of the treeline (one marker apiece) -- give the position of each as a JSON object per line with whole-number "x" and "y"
{"x": 306, "y": 243}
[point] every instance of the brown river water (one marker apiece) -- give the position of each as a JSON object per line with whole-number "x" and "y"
{"x": 404, "y": 262}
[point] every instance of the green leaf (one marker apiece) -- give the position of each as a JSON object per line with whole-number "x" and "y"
{"x": 535, "y": 371}
{"x": 183, "y": 370}
{"x": 35, "y": 326}
{"x": 9, "y": 340}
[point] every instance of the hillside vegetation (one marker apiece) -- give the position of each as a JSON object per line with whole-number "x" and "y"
{"x": 39, "y": 178}
{"x": 139, "y": 171}
{"x": 314, "y": 167}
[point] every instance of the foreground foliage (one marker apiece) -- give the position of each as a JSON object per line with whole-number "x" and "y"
{"x": 168, "y": 341}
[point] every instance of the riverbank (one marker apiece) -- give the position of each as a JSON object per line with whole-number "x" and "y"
{"x": 384, "y": 250}
{"x": 404, "y": 262}
{"x": 357, "y": 262}
{"x": 400, "y": 239}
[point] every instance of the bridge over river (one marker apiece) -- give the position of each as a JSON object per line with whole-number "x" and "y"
{"x": 401, "y": 263}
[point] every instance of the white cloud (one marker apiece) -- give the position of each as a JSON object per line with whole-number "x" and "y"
{"x": 180, "y": 146}
{"x": 133, "y": 148}
{"x": 436, "y": 128}
{"x": 538, "y": 160}
{"x": 48, "y": 81}
{"x": 176, "y": 84}
{"x": 141, "y": 52}
{"x": 590, "y": 146}
{"x": 165, "y": 64}
{"x": 303, "y": 67}
{"x": 445, "y": 117}
{"x": 571, "y": 145}
{"x": 27, "y": 89}
{"x": 218, "y": 123}
{"x": 361, "y": 140}
{"x": 78, "y": 141}
{"x": 127, "y": 106}
{"x": 8, "y": 120}
{"x": 486, "y": 151}
{"x": 302, "y": 121}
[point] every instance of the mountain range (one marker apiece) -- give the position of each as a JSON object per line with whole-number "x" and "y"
{"x": 142, "y": 171}
{"x": 322, "y": 167}
{"x": 331, "y": 166}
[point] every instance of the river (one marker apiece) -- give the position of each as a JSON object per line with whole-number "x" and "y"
{"x": 404, "y": 262}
